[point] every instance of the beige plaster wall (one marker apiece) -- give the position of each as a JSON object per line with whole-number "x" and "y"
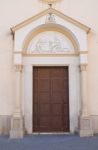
{"x": 13, "y": 12}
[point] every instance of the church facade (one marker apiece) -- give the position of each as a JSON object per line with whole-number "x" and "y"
{"x": 48, "y": 70}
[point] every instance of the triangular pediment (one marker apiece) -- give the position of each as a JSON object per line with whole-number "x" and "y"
{"x": 55, "y": 12}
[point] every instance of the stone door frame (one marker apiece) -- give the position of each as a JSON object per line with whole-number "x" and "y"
{"x": 23, "y": 63}
{"x": 74, "y": 79}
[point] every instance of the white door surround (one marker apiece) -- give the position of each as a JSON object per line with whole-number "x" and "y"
{"x": 43, "y": 44}
{"x": 74, "y": 87}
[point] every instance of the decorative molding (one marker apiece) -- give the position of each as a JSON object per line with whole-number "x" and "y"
{"x": 55, "y": 12}
{"x": 65, "y": 53}
{"x": 51, "y": 27}
{"x": 18, "y": 67}
{"x": 50, "y": 18}
{"x": 83, "y": 67}
{"x": 51, "y": 55}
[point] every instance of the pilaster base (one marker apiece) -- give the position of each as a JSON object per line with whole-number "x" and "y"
{"x": 16, "y": 128}
{"x": 86, "y": 129}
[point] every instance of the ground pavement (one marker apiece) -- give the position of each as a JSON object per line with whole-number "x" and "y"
{"x": 50, "y": 142}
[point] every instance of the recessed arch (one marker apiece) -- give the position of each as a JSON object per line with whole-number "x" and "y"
{"x": 50, "y": 27}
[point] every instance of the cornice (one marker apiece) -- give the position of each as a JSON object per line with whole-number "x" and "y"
{"x": 66, "y": 53}
{"x": 55, "y": 12}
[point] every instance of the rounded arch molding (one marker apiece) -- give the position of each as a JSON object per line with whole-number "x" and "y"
{"x": 51, "y": 27}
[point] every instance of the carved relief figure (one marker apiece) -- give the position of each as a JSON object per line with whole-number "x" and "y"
{"x": 50, "y": 42}
{"x": 56, "y": 45}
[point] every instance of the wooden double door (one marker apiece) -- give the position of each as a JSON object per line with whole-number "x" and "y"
{"x": 50, "y": 99}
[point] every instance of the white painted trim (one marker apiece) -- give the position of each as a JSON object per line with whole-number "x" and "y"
{"x": 74, "y": 88}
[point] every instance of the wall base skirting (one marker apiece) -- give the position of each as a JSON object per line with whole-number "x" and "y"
{"x": 95, "y": 123}
{"x": 5, "y": 124}
{"x": 86, "y": 129}
{"x": 17, "y": 130}
{"x": 88, "y": 126}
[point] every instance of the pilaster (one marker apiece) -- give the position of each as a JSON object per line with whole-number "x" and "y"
{"x": 17, "y": 118}
{"x": 85, "y": 118}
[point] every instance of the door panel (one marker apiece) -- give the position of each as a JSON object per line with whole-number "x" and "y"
{"x": 50, "y": 99}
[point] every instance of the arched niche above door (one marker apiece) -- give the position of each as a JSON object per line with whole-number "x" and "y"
{"x": 50, "y": 42}
{"x": 50, "y": 38}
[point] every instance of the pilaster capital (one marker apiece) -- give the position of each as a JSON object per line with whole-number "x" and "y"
{"x": 18, "y": 68}
{"x": 83, "y": 67}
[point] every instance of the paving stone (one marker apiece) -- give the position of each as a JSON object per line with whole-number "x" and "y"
{"x": 50, "y": 142}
